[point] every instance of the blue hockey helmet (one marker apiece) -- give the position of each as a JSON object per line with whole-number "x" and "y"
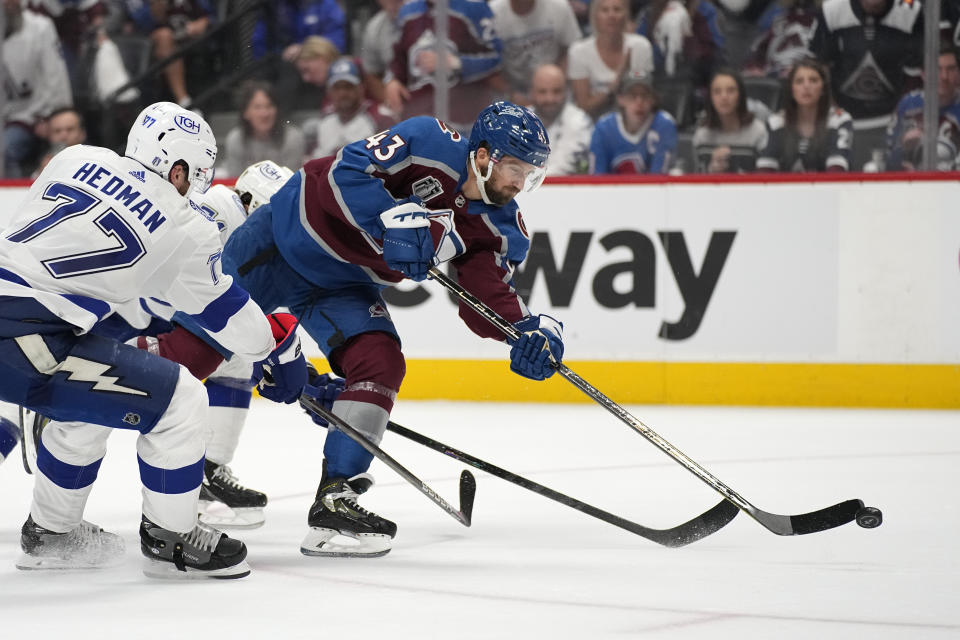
{"x": 507, "y": 129}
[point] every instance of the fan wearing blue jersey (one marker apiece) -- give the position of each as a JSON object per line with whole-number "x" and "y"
{"x": 636, "y": 137}
{"x": 96, "y": 233}
{"x": 386, "y": 208}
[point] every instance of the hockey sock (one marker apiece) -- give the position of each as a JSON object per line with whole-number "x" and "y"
{"x": 345, "y": 458}
{"x": 225, "y": 419}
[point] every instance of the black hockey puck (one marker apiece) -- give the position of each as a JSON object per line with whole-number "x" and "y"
{"x": 869, "y": 517}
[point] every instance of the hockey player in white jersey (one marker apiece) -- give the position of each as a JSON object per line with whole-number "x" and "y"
{"x": 95, "y": 232}
{"x": 224, "y": 501}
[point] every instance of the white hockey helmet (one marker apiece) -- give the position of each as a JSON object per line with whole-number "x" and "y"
{"x": 165, "y": 133}
{"x": 260, "y": 181}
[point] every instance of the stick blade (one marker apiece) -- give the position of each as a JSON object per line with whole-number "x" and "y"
{"x": 705, "y": 524}
{"x": 823, "y": 519}
{"x": 813, "y": 522}
{"x": 468, "y": 490}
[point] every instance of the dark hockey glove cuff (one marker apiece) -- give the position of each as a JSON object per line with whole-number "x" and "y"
{"x": 285, "y": 369}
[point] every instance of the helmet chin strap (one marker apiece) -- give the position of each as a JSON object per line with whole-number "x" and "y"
{"x": 481, "y": 179}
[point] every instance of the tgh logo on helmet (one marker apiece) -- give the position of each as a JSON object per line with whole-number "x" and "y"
{"x": 187, "y": 123}
{"x": 269, "y": 171}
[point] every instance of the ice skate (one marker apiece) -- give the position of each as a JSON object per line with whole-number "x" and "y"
{"x": 204, "y": 552}
{"x": 225, "y": 503}
{"x": 341, "y": 528}
{"x": 85, "y": 547}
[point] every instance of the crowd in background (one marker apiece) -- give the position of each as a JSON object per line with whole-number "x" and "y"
{"x": 623, "y": 86}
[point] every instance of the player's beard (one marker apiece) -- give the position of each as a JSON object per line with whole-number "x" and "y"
{"x": 497, "y": 196}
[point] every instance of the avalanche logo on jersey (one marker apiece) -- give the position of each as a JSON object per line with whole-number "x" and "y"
{"x": 522, "y": 226}
{"x": 188, "y": 124}
{"x": 378, "y": 310}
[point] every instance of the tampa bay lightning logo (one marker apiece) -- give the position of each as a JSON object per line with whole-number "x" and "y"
{"x": 187, "y": 123}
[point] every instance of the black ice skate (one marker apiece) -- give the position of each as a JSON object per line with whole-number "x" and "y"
{"x": 201, "y": 553}
{"x": 226, "y": 503}
{"x": 86, "y": 547}
{"x": 341, "y": 528}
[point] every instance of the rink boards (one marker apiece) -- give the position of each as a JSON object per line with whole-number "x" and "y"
{"x": 839, "y": 292}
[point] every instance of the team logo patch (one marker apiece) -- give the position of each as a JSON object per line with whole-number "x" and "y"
{"x": 187, "y": 123}
{"x": 522, "y": 226}
{"x": 460, "y": 201}
{"x": 427, "y": 188}
{"x": 378, "y": 310}
{"x": 132, "y": 419}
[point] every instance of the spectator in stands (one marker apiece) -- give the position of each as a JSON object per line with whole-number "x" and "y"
{"x": 472, "y": 60}
{"x": 349, "y": 115}
{"x": 376, "y": 47}
{"x": 598, "y": 62}
{"x": 788, "y": 29}
{"x": 171, "y": 24}
{"x": 581, "y": 9}
{"x": 730, "y": 138}
{"x": 533, "y": 32}
{"x": 810, "y": 133}
{"x": 93, "y": 60}
{"x": 36, "y": 84}
{"x": 297, "y": 20}
{"x": 65, "y": 128}
{"x": 874, "y": 52}
{"x": 637, "y": 137}
{"x": 261, "y": 134}
{"x": 905, "y": 137}
{"x": 302, "y": 85}
{"x": 568, "y": 126}
{"x": 687, "y": 38}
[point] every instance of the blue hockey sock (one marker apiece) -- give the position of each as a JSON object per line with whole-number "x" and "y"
{"x": 345, "y": 458}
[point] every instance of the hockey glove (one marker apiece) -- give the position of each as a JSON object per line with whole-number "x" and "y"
{"x": 407, "y": 243}
{"x": 324, "y": 389}
{"x": 285, "y": 369}
{"x": 534, "y": 353}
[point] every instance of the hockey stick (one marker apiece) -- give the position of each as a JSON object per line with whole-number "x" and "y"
{"x": 820, "y": 520}
{"x": 696, "y": 529}
{"x": 468, "y": 484}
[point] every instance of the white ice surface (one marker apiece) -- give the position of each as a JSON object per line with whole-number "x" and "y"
{"x": 531, "y": 568}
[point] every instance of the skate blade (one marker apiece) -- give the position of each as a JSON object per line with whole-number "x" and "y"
{"x": 332, "y": 544}
{"x": 163, "y": 570}
{"x": 220, "y": 516}
{"x": 34, "y": 563}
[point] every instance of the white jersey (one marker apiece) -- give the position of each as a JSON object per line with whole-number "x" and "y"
{"x": 98, "y": 231}
{"x": 535, "y": 38}
{"x": 569, "y": 136}
{"x": 222, "y": 205}
{"x": 584, "y": 61}
{"x": 37, "y": 81}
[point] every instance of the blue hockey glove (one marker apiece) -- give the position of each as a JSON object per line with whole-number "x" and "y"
{"x": 530, "y": 354}
{"x": 285, "y": 369}
{"x": 324, "y": 389}
{"x": 407, "y": 243}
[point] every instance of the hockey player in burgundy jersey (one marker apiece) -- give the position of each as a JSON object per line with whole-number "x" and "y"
{"x": 386, "y": 208}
